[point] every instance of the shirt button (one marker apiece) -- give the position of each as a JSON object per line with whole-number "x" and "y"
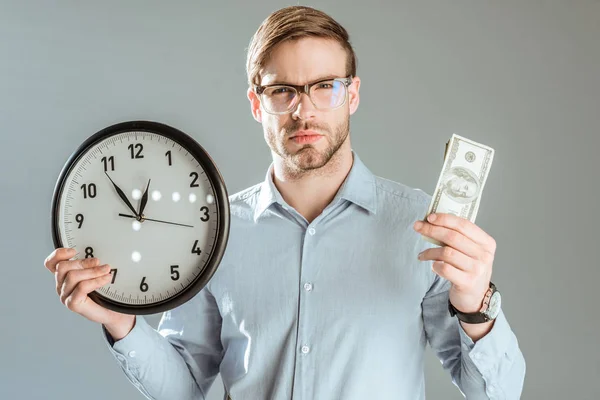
{"x": 132, "y": 354}
{"x": 308, "y": 287}
{"x": 311, "y": 231}
{"x": 305, "y": 349}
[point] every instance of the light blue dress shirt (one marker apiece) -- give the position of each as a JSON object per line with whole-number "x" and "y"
{"x": 340, "y": 308}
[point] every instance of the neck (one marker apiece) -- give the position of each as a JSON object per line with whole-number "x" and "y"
{"x": 311, "y": 191}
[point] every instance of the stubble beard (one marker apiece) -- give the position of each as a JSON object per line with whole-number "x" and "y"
{"x": 308, "y": 160}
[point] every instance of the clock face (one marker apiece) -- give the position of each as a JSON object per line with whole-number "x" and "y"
{"x": 164, "y": 251}
{"x": 494, "y": 307}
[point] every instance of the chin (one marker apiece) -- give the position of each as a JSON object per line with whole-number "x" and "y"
{"x": 309, "y": 158}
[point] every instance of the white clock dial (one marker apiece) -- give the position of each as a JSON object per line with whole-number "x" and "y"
{"x": 160, "y": 253}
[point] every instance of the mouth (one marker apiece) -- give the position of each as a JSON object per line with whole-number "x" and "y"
{"x": 303, "y": 137}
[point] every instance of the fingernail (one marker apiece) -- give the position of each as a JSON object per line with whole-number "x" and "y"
{"x": 418, "y": 225}
{"x": 420, "y": 254}
{"x": 431, "y": 217}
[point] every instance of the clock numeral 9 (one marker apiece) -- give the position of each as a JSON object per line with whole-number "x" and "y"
{"x": 79, "y": 218}
{"x": 144, "y": 285}
{"x": 89, "y": 252}
{"x": 195, "y": 176}
{"x": 108, "y": 160}
{"x": 174, "y": 272}
{"x": 205, "y": 217}
{"x": 168, "y": 155}
{"x": 196, "y": 249}
{"x": 89, "y": 190}
{"x": 139, "y": 148}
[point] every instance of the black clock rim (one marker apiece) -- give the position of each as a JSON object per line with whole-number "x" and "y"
{"x": 222, "y": 201}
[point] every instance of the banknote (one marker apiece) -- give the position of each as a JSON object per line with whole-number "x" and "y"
{"x": 461, "y": 182}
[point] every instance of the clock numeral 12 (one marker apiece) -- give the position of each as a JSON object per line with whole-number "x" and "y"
{"x": 139, "y": 148}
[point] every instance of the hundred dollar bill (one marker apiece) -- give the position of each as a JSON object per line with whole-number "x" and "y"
{"x": 460, "y": 184}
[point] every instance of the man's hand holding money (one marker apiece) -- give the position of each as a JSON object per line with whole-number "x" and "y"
{"x": 465, "y": 260}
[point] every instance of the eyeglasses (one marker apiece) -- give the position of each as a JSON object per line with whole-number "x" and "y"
{"x": 326, "y": 94}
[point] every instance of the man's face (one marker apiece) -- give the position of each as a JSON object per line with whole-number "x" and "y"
{"x": 299, "y": 62}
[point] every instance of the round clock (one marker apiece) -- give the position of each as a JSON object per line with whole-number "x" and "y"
{"x": 149, "y": 201}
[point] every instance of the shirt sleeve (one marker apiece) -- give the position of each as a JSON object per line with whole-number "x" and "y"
{"x": 491, "y": 368}
{"x": 178, "y": 360}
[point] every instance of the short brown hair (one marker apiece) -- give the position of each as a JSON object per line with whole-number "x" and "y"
{"x": 292, "y": 23}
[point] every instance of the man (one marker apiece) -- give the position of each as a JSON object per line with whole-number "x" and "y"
{"x": 320, "y": 294}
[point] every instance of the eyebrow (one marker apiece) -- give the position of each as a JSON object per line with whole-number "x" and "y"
{"x": 283, "y": 82}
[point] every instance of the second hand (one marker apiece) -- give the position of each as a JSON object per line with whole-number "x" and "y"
{"x": 156, "y": 220}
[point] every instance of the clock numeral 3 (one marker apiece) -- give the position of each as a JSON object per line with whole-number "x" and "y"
{"x": 144, "y": 285}
{"x": 196, "y": 249}
{"x": 114, "y": 272}
{"x": 79, "y": 218}
{"x": 89, "y": 252}
{"x": 110, "y": 160}
{"x": 195, "y": 176}
{"x": 205, "y": 217}
{"x": 89, "y": 190}
{"x": 139, "y": 147}
{"x": 174, "y": 272}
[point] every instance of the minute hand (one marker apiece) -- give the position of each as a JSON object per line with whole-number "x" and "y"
{"x": 156, "y": 220}
{"x": 122, "y": 196}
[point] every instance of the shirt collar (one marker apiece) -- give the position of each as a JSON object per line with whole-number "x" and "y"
{"x": 358, "y": 188}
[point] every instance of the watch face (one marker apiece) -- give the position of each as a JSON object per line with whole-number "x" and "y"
{"x": 494, "y": 306}
{"x": 147, "y": 200}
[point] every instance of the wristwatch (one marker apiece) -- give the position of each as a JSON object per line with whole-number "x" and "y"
{"x": 489, "y": 310}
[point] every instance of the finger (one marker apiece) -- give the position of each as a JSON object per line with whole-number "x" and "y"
{"x": 466, "y": 227}
{"x": 451, "y": 256}
{"x": 450, "y": 273}
{"x": 79, "y": 296}
{"x": 64, "y": 267}
{"x": 58, "y": 255}
{"x": 74, "y": 278}
{"x": 452, "y": 238}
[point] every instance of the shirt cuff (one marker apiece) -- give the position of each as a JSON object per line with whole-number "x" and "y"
{"x": 491, "y": 349}
{"x": 135, "y": 348}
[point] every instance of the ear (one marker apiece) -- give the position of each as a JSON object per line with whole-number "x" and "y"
{"x": 254, "y": 105}
{"x": 353, "y": 96}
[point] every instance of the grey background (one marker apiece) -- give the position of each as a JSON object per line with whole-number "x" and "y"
{"x": 520, "y": 76}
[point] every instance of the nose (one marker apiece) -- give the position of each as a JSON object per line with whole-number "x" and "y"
{"x": 305, "y": 109}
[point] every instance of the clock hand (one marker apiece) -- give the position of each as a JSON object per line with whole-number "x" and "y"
{"x": 122, "y": 196}
{"x": 144, "y": 200}
{"x": 155, "y": 220}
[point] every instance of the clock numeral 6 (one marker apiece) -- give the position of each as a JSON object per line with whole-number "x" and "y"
{"x": 196, "y": 249}
{"x": 174, "y": 272}
{"x": 89, "y": 190}
{"x": 139, "y": 147}
{"x": 144, "y": 285}
{"x": 79, "y": 218}
{"x": 205, "y": 217}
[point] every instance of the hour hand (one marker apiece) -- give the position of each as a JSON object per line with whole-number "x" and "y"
{"x": 144, "y": 199}
{"x": 122, "y": 196}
